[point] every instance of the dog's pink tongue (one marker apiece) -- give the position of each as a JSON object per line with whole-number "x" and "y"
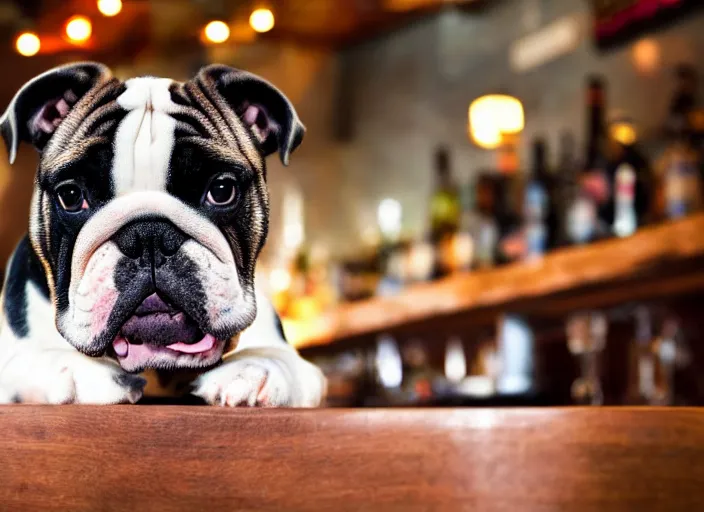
{"x": 203, "y": 345}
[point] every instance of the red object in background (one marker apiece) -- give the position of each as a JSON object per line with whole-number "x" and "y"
{"x": 618, "y": 21}
{"x": 423, "y": 389}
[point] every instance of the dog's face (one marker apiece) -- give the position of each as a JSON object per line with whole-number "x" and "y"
{"x": 150, "y": 206}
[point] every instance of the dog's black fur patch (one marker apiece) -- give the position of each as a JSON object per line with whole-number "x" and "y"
{"x": 131, "y": 382}
{"x": 280, "y": 327}
{"x": 25, "y": 267}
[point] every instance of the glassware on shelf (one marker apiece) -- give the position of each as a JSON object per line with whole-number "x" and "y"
{"x": 515, "y": 346}
{"x": 642, "y": 385}
{"x": 388, "y": 364}
{"x": 586, "y": 339}
{"x": 455, "y": 361}
{"x": 671, "y": 353}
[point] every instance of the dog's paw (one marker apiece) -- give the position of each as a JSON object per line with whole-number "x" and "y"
{"x": 263, "y": 378}
{"x": 69, "y": 377}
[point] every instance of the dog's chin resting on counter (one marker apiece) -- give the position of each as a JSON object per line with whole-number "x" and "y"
{"x": 149, "y": 210}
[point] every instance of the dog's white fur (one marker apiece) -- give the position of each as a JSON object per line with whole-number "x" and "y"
{"x": 145, "y": 138}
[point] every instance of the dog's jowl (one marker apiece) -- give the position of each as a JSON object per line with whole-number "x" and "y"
{"x": 149, "y": 210}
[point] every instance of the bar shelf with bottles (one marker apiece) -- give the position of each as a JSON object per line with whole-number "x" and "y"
{"x": 656, "y": 262}
{"x": 612, "y": 228}
{"x": 603, "y": 259}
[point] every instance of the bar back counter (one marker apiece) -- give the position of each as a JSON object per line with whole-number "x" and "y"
{"x": 82, "y": 458}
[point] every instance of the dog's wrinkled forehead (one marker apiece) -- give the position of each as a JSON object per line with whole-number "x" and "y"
{"x": 231, "y": 113}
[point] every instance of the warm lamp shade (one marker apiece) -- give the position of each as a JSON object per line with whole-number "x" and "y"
{"x": 492, "y": 116}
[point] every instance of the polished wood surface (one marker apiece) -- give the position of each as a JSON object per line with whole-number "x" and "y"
{"x": 656, "y": 262}
{"x": 81, "y": 458}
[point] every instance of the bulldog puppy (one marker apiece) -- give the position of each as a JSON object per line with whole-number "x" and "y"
{"x": 149, "y": 210}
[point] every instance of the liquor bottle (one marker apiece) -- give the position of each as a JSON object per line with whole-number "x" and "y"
{"x": 631, "y": 181}
{"x": 679, "y": 168}
{"x": 625, "y": 220}
{"x": 445, "y": 212}
{"x": 486, "y": 230}
{"x": 537, "y": 206}
{"x": 566, "y": 187}
{"x": 587, "y": 213}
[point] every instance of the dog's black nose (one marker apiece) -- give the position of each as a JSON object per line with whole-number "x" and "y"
{"x": 150, "y": 241}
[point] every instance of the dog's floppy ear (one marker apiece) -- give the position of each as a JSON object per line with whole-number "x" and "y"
{"x": 261, "y": 107}
{"x": 44, "y": 102}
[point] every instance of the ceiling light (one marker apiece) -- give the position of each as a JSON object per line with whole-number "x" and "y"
{"x": 217, "y": 32}
{"x": 110, "y": 7}
{"x": 79, "y": 29}
{"x": 27, "y": 44}
{"x": 262, "y": 20}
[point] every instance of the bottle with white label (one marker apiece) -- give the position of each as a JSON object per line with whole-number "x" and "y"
{"x": 625, "y": 218}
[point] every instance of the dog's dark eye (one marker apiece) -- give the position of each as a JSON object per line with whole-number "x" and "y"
{"x": 71, "y": 197}
{"x": 222, "y": 191}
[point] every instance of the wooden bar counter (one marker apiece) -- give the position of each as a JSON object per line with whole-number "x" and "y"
{"x": 79, "y": 458}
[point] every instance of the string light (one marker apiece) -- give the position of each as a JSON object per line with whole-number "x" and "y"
{"x": 79, "y": 29}
{"x": 217, "y": 32}
{"x": 28, "y": 44}
{"x": 110, "y": 7}
{"x": 261, "y": 20}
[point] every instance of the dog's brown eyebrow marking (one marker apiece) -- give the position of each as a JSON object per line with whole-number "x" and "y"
{"x": 86, "y": 124}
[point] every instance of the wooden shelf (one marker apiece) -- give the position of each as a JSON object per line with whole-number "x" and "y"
{"x": 83, "y": 458}
{"x": 656, "y": 262}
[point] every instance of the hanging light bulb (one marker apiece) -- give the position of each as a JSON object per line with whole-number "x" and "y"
{"x": 493, "y": 116}
{"x": 27, "y": 44}
{"x": 217, "y": 32}
{"x": 261, "y": 20}
{"x": 109, "y": 8}
{"x": 78, "y": 29}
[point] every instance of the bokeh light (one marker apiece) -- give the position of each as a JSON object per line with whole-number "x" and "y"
{"x": 262, "y": 20}
{"x": 79, "y": 29}
{"x": 217, "y": 32}
{"x": 492, "y": 116}
{"x": 110, "y": 7}
{"x": 28, "y": 44}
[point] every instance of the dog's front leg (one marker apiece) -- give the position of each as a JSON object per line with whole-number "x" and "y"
{"x": 40, "y": 374}
{"x": 264, "y": 370}
{"x": 265, "y": 377}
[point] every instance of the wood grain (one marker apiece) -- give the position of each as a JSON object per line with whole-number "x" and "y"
{"x": 658, "y": 261}
{"x": 81, "y": 458}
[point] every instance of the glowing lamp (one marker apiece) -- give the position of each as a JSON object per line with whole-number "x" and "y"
{"x": 78, "y": 29}
{"x": 624, "y": 133}
{"x": 217, "y": 32}
{"x": 261, "y": 20}
{"x": 109, "y": 8}
{"x": 493, "y": 116}
{"x": 28, "y": 44}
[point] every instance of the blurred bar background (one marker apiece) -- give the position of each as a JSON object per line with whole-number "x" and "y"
{"x": 497, "y": 202}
